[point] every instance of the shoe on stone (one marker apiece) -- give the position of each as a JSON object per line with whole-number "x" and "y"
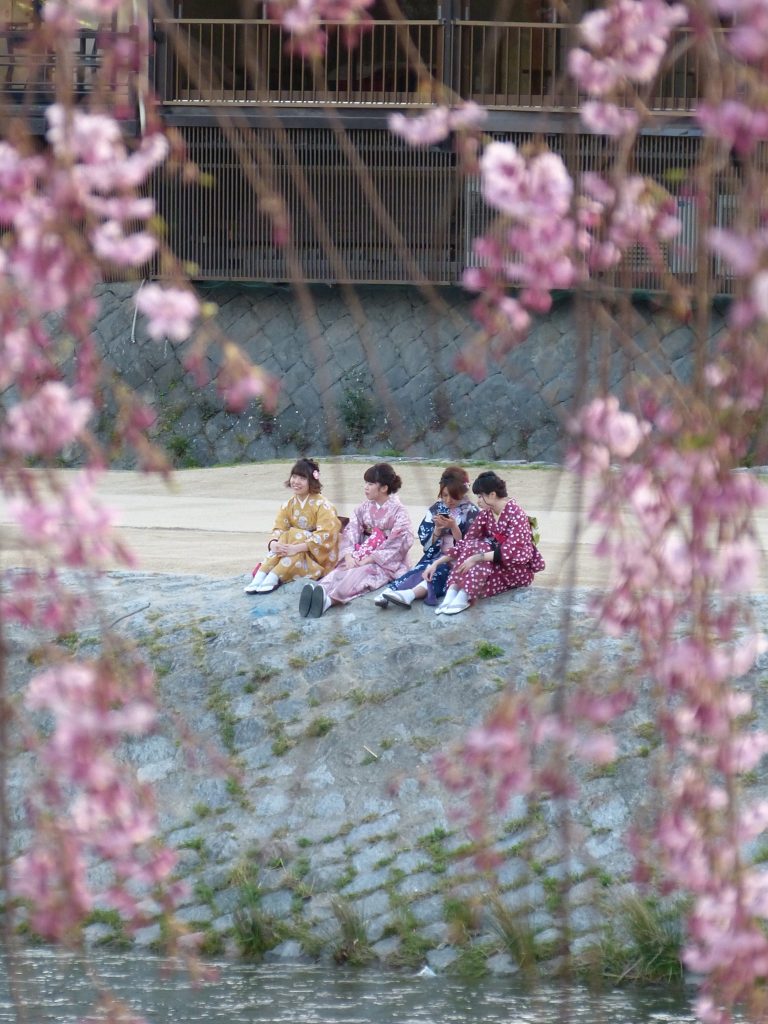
{"x": 316, "y": 603}
{"x": 265, "y": 588}
{"x": 381, "y": 601}
{"x": 405, "y": 600}
{"x": 305, "y": 600}
{"x": 253, "y": 586}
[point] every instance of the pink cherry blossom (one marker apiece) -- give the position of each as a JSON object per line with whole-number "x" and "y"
{"x": 748, "y": 38}
{"x": 170, "y": 311}
{"x": 759, "y": 293}
{"x": 736, "y": 125}
{"x": 628, "y": 39}
{"x": 111, "y": 244}
{"x": 73, "y": 527}
{"x": 44, "y": 424}
{"x": 424, "y": 130}
{"x": 304, "y": 20}
{"x": 83, "y": 137}
{"x": 437, "y": 123}
{"x": 608, "y": 119}
{"x": 739, "y": 250}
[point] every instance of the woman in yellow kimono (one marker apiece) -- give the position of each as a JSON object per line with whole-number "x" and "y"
{"x": 305, "y": 536}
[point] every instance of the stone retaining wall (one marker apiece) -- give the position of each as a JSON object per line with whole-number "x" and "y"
{"x": 388, "y": 387}
{"x": 328, "y": 834}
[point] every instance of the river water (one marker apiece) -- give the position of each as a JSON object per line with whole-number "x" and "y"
{"x": 57, "y": 989}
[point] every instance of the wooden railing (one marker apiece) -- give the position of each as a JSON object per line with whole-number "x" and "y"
{"x": 241, "y": 61}
{"x": 501, "y": 65}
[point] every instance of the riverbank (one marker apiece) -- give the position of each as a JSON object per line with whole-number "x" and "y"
{"x": 306, "y": 813}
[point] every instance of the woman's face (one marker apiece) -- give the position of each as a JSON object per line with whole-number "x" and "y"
{"x": 299, "y": 485}
{"x": 375, "y": 492}
{"x": 445, "y": 497}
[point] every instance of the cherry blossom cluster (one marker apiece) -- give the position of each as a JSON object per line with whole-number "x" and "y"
{"x": 521, "y": 750}
{"x": 676, "y": 524}
{"x": 307, "y": 22}
{"x": 624, "y": 44}
{"x": 548, "y": 238}
{"x": 66, "y": 213}
{"x": 747, "y": 37}
{"x": 437, "y": 123}
{"x": 108, "y": 815}
{"x": 673, "y": 510}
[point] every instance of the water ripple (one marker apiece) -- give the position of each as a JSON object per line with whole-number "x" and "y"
{"x": 57, "y": 989}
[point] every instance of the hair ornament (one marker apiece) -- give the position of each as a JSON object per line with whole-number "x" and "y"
{"x": 316, "y": 474}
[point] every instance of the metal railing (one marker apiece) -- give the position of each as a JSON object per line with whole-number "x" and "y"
{"x": 523, "y": 66}
{"x": 378, "y": 211}
{"x": 497, "y": 64}
{"x": 510, "y": 66}
{"x": 249, "y": 61}
{"x": 35, "y": 74}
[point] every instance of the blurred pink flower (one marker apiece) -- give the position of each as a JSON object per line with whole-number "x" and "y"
{"x": 46, "y": 423}
{"x": 628, "y": 39}
{"x": 734, "y": 124}
{"x": 111, "y": 244}
{"x": 608, "y": 119}
{"x": 170, "y": 311}
{"x": 423, "y": 130}
{"x": 740, "y": 250}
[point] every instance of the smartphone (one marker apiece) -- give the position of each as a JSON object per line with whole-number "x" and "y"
{"x": 442, "y": 509}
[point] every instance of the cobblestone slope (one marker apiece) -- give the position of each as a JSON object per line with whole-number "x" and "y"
{"x": 323, "y": 830}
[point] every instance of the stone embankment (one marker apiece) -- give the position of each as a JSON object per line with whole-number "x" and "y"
{"x": 389, "y": 384}
{"x": 306, "y": 811}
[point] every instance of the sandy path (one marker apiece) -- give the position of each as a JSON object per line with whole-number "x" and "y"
{"x": 215, "y": 521}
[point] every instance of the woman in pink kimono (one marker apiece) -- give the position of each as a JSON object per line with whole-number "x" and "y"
{"x": 373, "y": 548}
{"x": 497, "y": 554}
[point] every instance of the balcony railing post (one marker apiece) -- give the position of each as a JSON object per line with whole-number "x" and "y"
{"x": 449, "y": 13}
{"x": 159, "y": 64}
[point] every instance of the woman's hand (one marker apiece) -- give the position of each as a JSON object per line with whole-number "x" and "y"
{"x": 287, "y": 549}
{"x": 448, "y": 523}
{"x": 470, "y": 563}
{"x": 349, "y": 562}
{"x": 429, "y": 572}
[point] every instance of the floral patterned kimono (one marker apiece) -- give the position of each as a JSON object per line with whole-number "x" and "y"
{"x": 313, "y": 521}
{"x": 390, "y": 558}
{"x": 464, "y": 513}
{"x": 516, "y": 556}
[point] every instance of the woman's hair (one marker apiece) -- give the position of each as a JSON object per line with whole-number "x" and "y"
{"x": 488, "y": 482}
{"x": 383, "y": 474}
{"x": 310, "y": 470}
{"x": 455, "y": 480}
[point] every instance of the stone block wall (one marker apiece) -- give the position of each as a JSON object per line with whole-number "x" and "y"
{"x": 385, "y": 382}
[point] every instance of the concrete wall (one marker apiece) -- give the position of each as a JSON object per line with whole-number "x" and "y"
{"x": 390, "y": 385}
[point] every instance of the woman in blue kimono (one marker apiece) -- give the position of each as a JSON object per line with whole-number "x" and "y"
{"x": 444, "y": 525}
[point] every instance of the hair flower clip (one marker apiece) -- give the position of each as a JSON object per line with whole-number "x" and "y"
{"x": 316, "y": 474}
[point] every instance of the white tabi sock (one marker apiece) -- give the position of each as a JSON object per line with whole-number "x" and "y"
{"x": 269, "y": 582}
{"x": 450, "y": 596}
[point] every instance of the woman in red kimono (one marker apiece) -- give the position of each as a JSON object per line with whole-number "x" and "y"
{"x": 497, "y": 554}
